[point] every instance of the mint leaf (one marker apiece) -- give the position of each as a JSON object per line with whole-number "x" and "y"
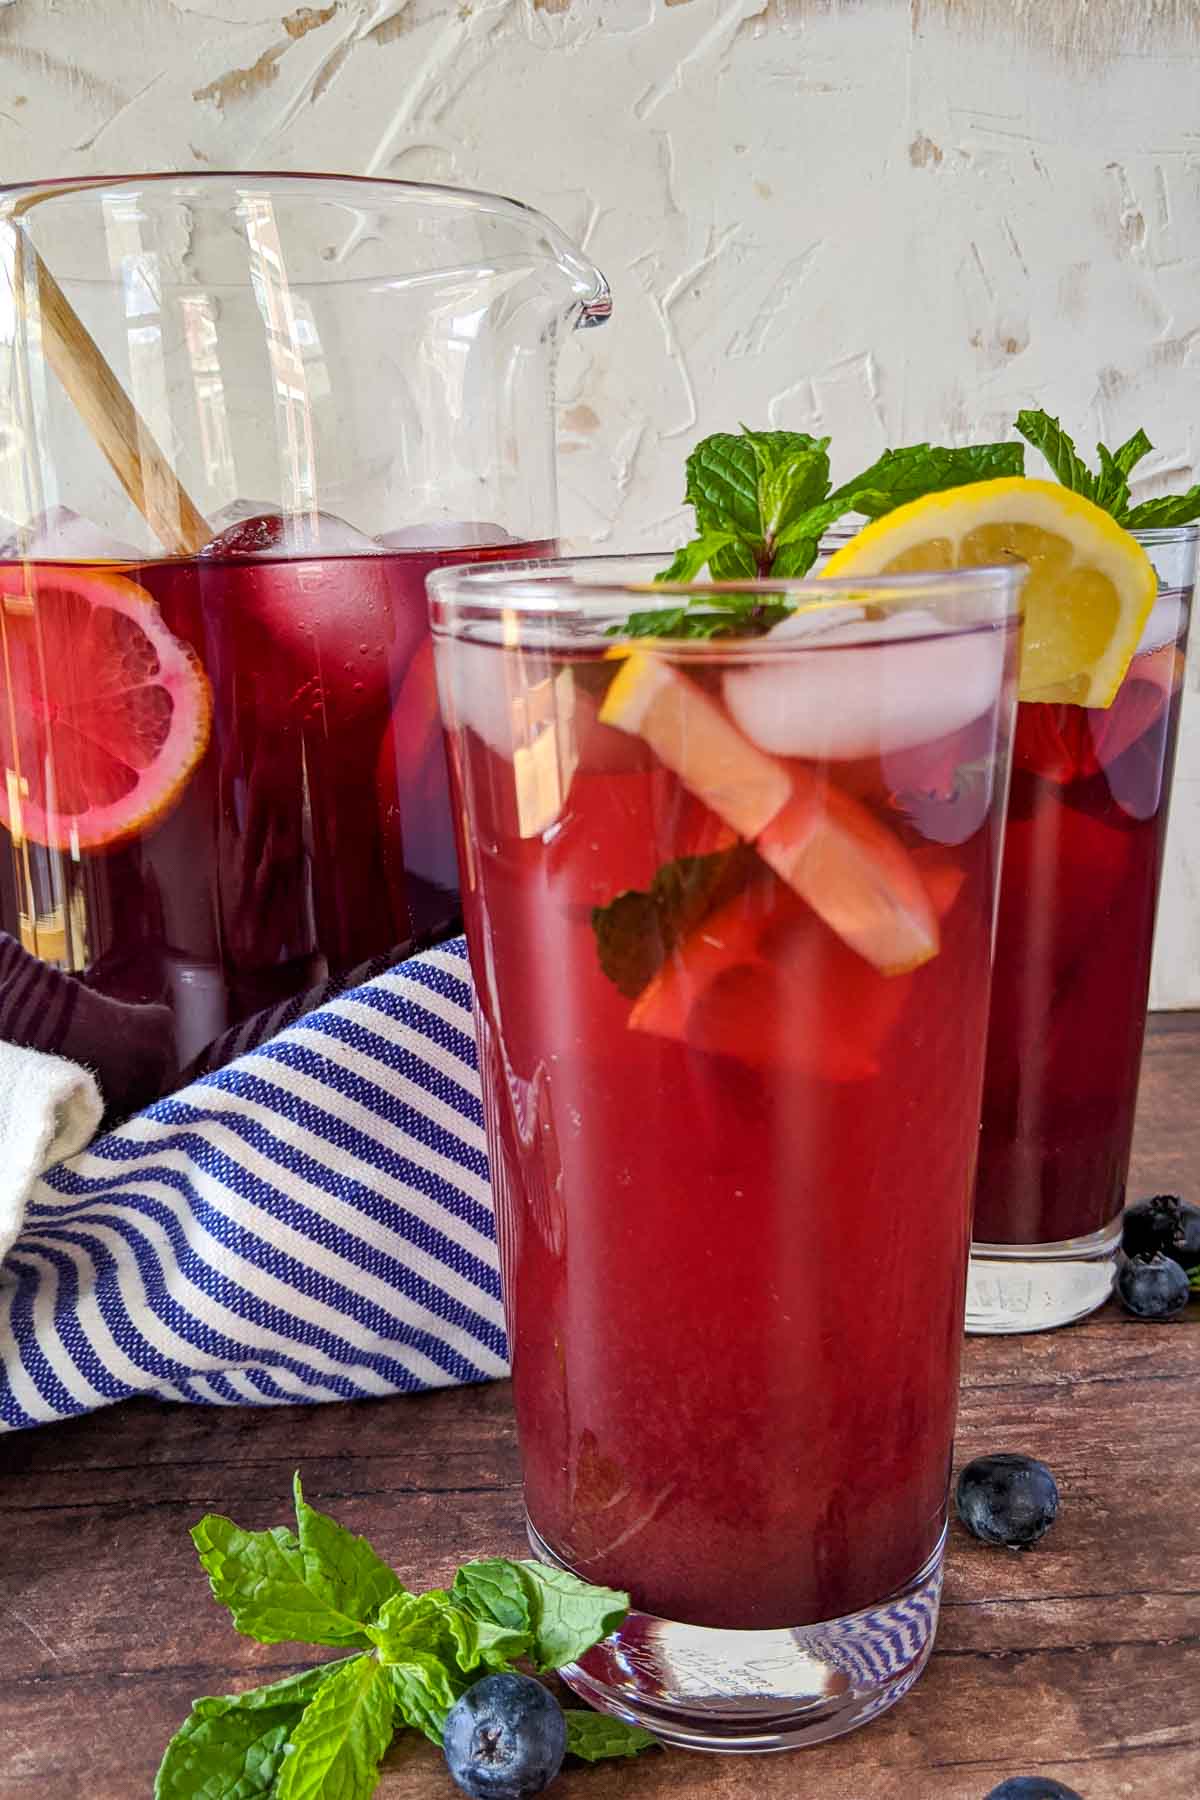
{"x": 722, "y": 486}
{"x": 1112, "y": 488}
{"x": 903, "y": 475}
{"x": 636, "y": 932}
{"x": 434, "y": 1648}
{"x": 731, "y": 616}
{"x": 748, "y": 487}
{"x": 798, "y": 548}
{"x": 1109, "y": 489}
{"x": 1129, "y": 454}
{"x": 493, "y": 1590}
{"x": 231, "y": 1747}
{"x": 423, "y": 1691}
{"x": 1167, "y": 510}
{"x": 1048, "y": 436}
{"x": 738, "y": 561}
{"x": 435, "y": 1622}
{"x": 336, "y": 1749}
{"x": 320, "y": 1587}
{"x": 594, "y": 1736}
{"x": 568, "y": 1616}
{"x": 692, "y": 558}
{"x": 793, "y": 475}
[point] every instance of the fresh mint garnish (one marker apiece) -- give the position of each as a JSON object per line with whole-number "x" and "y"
{"x": 234, "y": 1744}
{"x": 763, "y": 502}
{"x": 560, "y": 1616}
{"x": 636, "y": 932}
{"x": 594, "y": 1736}
{"x": 1107, "y": 487}
{"x": 901, "y": 476}
{"x": 342, "y": 1736}
{"x": 434, "y": 1649}
{"x": 317, "y": 1585}
{"x": 322, "y": 1734}
{"x": 568, "y": 1615}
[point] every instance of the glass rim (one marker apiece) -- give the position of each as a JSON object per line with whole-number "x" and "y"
{"x": 70, "y": 184}
{"x": 591, "y": 293}
{"x": 1166, "y": 534}
{"x": 550, "y": 590}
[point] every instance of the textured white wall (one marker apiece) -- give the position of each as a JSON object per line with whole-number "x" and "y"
{"x": 888, "y": 220}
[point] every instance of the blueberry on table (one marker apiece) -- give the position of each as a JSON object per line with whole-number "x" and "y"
{"x": 1005, "y": 1499}
{"x": 505, "y": 1738}
{"x": 1152, "y": 1287}
{"x": 1032, "y": 1787}
{"x": 1164, "y": 1223}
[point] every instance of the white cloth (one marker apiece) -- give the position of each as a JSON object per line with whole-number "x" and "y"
{"x": 49, "y": 1109}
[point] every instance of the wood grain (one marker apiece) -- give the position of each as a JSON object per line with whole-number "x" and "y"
{"x": 1080, "y": 1659}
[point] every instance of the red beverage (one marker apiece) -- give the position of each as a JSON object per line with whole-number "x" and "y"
{"x": 733, "y": 1150}
{"x": 225, "y": 785}
{"x": 1083, "y": 858}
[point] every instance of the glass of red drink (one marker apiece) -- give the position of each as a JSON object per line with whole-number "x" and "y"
{"x": 222, "y": 780}
{"x": 1083, "y": 857}
{"x": 732, "y": 964}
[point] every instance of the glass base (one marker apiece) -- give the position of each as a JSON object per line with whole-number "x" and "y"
{"x": 1034, "y": 1287}
{"x": 708, "y": 1689}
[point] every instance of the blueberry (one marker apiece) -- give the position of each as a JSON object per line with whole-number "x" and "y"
{"x": 1152, "y": 1287}
{"x": 1164, "y": 1223}
{"x": 1031, "y": 1787}
{"x": 1006, "y": 1499}
{"x": 505, "y": 1738}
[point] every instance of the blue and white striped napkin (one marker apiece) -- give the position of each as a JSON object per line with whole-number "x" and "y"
{"x": 311, "y": 1222}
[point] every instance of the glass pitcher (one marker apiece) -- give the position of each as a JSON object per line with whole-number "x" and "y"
{"x": 241, "y": 417}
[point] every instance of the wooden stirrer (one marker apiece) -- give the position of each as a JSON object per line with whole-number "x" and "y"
{"x": 118, "y": 428}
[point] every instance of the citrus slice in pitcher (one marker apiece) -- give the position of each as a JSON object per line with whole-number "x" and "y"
{"x": 104, "y": 712}
{"x": 1091, "y": 586}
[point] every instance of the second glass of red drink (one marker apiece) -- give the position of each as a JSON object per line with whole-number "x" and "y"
{"x": 1083, "y": 859}
{"x": 732, "y": 966}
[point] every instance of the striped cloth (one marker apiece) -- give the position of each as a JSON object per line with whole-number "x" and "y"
{"x": 312, "y": 1222}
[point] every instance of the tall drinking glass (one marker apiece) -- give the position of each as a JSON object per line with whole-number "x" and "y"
{"x": 241, "y": 417}
{"x": 1083, "y": 857}
{"x": 732, "y": 968}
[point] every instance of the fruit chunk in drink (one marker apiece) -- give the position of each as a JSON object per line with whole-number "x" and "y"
{"x": 732, "y": 995}
{"x": 222, "y": 782}
{"x": 1083, "y": 859}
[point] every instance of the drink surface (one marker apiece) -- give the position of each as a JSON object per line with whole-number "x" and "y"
{"x": 311, "y": 834}
{"x": 734, "y": 1195}
{"x": 1083, "y": 859}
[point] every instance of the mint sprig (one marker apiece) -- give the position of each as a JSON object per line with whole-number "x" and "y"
{"x": 595, "y": 1736}
{"x": 321, "y": 1734}
{"x": 1107, "y": 486}
{"x": 763, "y": 500}
{"x": 636, "y": 931}
{"x": 317, "y": 1585}
{"x": 341, "y": 1737}
{"x": 234, "y": 1744}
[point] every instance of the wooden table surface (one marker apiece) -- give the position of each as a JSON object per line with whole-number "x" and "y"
{"x": 1079, "y": 1659}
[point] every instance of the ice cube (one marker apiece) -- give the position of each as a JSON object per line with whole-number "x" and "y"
{"x": 446, "y": 534}
{"x": 60, "y": 535}
{"x": 523, "y": 709}
{"x": 474, "y": 682}
{"x": 1163, "y": 625}
{"x": 852, "y": 697}
{"x": 246, "y": 529}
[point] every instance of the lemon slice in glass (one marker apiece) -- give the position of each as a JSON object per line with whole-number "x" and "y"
{"x": 1091, "y": 585}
